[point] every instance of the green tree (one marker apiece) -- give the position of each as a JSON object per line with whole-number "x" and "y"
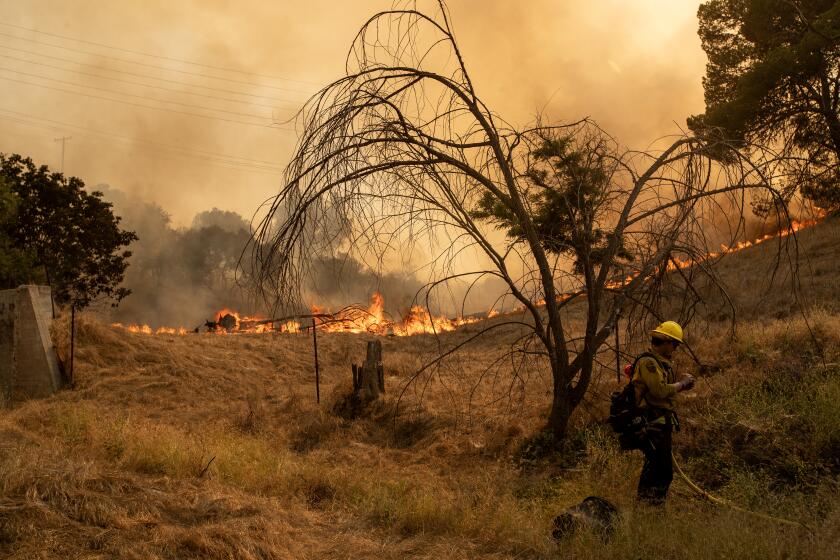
{"x": 567, "y": 183}
{"x": 71, "y": 236}
{"x": 773, "y": 76}
{"x": 17, "y": 266}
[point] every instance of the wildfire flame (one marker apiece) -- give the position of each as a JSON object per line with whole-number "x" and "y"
{"x": 418, "y": 320}
{"x": 230, "y": 321}
{"x": 372, "y": 319}
{"x": 146, "y": 329}
{"x": 678, "y": 263}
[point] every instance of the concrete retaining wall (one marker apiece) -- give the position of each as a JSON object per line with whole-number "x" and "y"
{"x": 28, "y": 363}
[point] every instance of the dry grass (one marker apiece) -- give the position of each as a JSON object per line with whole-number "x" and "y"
{"x": 120, "y": 466}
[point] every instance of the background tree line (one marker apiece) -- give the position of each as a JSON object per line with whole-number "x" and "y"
{"x": 181, "y": 276}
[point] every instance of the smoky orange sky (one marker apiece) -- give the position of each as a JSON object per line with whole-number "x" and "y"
{"x": 196, "y": 136}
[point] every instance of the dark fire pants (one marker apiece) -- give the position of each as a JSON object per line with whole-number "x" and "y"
{"x": 658, "y": 470}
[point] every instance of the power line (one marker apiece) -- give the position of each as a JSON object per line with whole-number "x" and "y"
{"x": 162, "y": 57}
{"x": 125, "y": 61}
{"x": 141, "y": 84}
{"x": 141, "y": 140}
{"x": 145, "y": 106}
{"x": 221, "y": 163}
{"x": 227, "y": 164}
{"x": 188, "y": 105}
{"x": 135, "y": 139}
{"x": 136, "y": 75}
{"x": 173, "y": 150}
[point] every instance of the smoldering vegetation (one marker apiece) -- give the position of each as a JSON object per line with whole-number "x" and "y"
{"x": 182, "y": 276}
{"x": 179, "y": 276}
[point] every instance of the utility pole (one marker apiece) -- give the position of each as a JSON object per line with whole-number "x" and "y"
{"x": 63, "y": 141}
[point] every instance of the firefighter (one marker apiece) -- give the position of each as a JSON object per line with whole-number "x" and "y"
{"x": 656, "y": 389}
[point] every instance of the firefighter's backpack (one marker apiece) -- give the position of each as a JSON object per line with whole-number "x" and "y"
{"x": 626, "y": 418}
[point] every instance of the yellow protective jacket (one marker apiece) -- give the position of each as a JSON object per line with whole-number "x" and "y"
{"x": 655, "y": 382}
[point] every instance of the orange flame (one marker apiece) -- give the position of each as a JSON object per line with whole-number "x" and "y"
{"x": 419, "y": 320}
{"x": 372, "y": 320}
{"x": 678, "y": 263}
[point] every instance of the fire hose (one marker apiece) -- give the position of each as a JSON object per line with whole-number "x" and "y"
{"x": 726, "y": 503}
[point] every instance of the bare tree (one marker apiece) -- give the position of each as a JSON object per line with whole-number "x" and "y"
{"x": 402, "y": 152}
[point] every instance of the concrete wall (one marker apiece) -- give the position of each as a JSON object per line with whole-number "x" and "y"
{"x": 28, "y": 363}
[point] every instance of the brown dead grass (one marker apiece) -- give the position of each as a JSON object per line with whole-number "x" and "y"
{"x": 207, "y": 446}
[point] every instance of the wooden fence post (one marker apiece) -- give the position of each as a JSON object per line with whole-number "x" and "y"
{"x": 369, "y": 378}
{"x": 72, "y": 339}
{"x": 317, "y": 372}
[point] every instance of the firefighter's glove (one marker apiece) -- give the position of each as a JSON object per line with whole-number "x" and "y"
{"x": 686, "y": 383}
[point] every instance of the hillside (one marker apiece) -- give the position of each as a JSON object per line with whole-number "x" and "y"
{"x": 212, "y": 446}
{"x": 761, "y": 282}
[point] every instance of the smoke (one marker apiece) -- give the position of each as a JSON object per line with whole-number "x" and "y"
{"x": 339, "y": 280}
{"x": 183, "y": 276}
{"x": 178, "y": 276}
{"x": 188, "y": 142}
{"x": 633, "y": 66}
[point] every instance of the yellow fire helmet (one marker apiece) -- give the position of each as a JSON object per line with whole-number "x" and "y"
{"x": 669, "y": 329}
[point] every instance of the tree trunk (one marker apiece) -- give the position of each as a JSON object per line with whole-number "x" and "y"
{"x": 561, "y": 407}
{"x": 369, "y": 378}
